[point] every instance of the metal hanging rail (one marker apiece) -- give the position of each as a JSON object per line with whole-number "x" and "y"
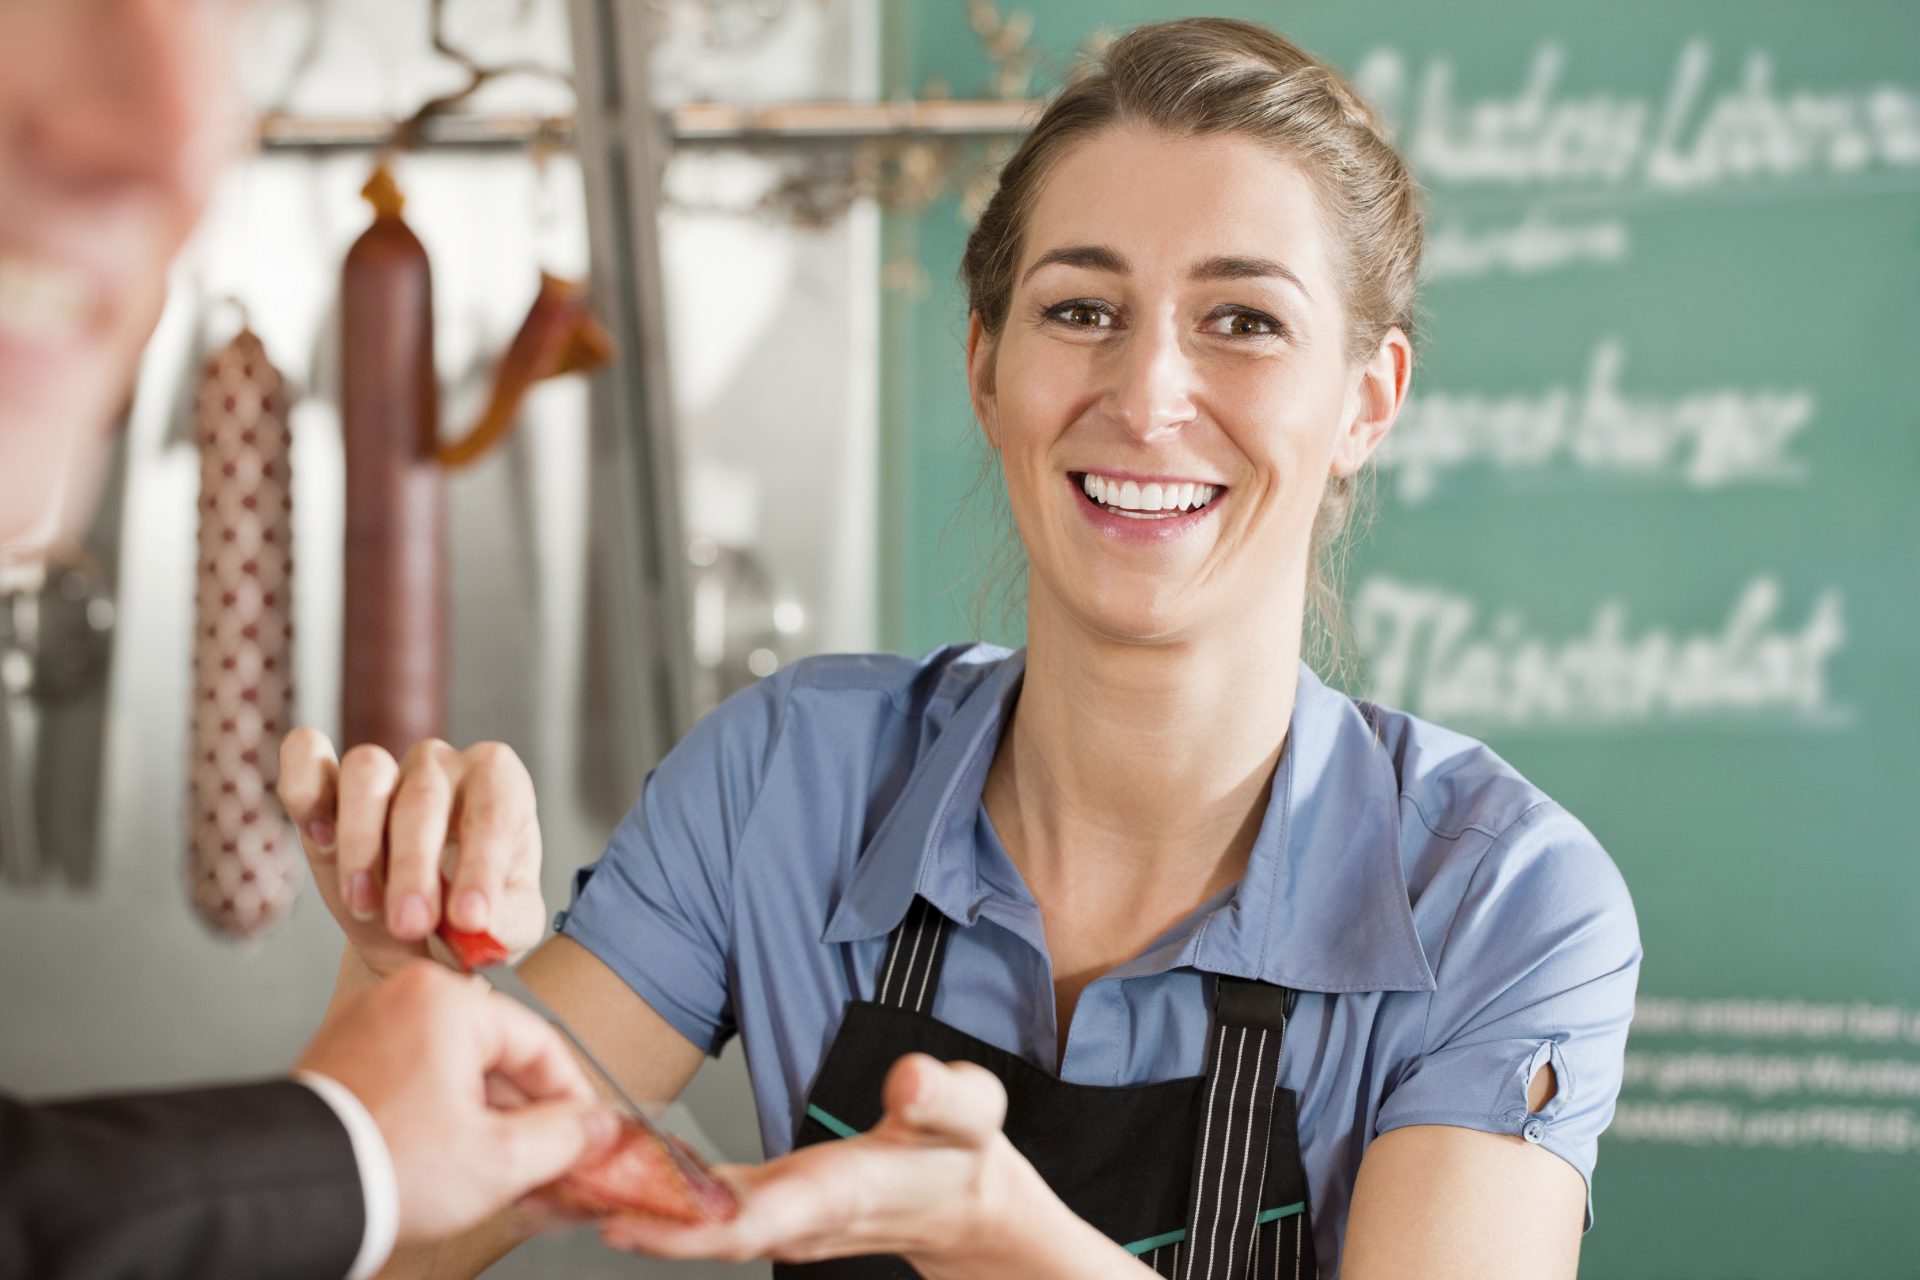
{"x": 701, "y": 124}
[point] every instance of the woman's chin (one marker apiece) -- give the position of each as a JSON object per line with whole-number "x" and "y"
{"x": 1123, "y": 604}
{"x": 1140, "y": 622}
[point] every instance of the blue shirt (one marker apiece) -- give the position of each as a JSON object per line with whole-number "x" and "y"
{"x": 1449, "y": 927}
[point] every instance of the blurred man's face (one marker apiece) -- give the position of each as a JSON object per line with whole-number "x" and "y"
{"x": 114, "y": 118}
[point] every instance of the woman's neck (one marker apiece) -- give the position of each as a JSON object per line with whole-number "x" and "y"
{"x": 1133, "y": 770}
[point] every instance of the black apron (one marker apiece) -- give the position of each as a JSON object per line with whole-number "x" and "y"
{"x": 1200, "y": 1178}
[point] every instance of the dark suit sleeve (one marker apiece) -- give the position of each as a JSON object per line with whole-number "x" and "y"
{"x": 248, "y": 1180}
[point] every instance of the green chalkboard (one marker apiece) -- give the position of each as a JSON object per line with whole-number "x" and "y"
{"x": 1650, "y": 527}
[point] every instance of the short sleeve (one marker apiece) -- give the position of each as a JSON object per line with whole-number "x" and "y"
{"x": 657, "y": 908}
{"x": 1539, "y": 967}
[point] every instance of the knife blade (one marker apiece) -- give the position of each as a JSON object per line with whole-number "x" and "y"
{"x": 486, "y": 956}
{"x": 503, "y": 979}
{"x": 483, "y": 954}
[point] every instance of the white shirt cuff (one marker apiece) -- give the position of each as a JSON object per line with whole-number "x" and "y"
{"x": 379, "y": 1189}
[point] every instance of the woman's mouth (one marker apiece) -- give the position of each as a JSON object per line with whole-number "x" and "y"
{"x": 1131, "y": 508}
{"x": 1152, "y": 500}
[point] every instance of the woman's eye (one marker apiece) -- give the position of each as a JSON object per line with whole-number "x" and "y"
{"x": 1082, "y": 315}
{"x": 1246, "y": 324}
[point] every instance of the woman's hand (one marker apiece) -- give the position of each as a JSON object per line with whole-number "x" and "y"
{"x": 374, "y": 830}
{"x": 935, "y": 1182}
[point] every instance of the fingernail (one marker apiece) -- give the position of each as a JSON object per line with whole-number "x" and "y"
{"x": 361, "y": 900}
{"x": 320, "y": 833}
{"x": 602, "y": 1128}
{"x": 412, "y": 919}
{"x": 470, "y": 910}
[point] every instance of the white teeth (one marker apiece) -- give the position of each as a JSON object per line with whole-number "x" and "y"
{"x": 1130, "y": 497}
{"x": 42, "y": 302}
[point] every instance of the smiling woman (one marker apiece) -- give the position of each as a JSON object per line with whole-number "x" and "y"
{"x": 1141, "y": 949}
{"x": 1197, "y": 342}
{"x": 1260, "y": 93}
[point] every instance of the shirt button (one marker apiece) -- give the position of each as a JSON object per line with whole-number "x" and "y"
{"x": 1534, "y": 1131}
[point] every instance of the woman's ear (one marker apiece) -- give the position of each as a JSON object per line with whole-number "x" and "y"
{"x": 1374, "y": 402}
{"x": 980, "y": 381}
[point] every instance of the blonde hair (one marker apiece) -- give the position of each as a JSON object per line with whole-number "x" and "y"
{"x": 1220, "y": 75}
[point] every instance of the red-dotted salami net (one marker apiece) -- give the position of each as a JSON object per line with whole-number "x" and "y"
{"x": 243, "y": 862}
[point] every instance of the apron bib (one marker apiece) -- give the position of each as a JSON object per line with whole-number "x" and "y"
{"x": 1200, "y": 1177}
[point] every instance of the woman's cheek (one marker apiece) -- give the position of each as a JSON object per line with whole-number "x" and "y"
{"x": 1023, "y": 412}
{"x": 1047, "y": 380}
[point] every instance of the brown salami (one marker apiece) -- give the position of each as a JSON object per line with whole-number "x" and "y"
{"x": 392, "y": 691}
{"x": 244, "y": 867}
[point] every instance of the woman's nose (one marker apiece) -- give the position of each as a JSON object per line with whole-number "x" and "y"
{"x": 1151, "y": 393}
{"x": 129, "y": 94}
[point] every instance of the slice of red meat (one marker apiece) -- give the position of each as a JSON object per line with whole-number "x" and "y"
{"x": 639, "y": 1176}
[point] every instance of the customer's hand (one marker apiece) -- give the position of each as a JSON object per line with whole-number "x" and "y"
{"x": 479, "y": 1101}
{"x": 374, "y": 830}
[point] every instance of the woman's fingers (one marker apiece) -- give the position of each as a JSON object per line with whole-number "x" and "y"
{"x": 380, "y": 833}
{"x": 900, "y": 1188}
{"x": 960, "y": 1101}
{"x": 786, "y": 1207}
{"x": 494, "y": 828}
{"x": 308, "y": 771}
{"x": 876, "y": 1193}
{"x": 366, "y": 781}
{"x": 417, "y": 827}
{"x": 308, "y": 787}
{"x": 863, "y": 1195}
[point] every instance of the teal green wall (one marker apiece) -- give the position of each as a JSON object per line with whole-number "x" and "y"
{"x": 1766, "y": 837}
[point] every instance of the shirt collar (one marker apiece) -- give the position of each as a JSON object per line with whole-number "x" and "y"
{"x": 1324, "y": 905}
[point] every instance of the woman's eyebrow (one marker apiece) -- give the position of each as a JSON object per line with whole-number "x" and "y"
{"x": 1233, "y": 268}
{"x": 1094, "y": 257}
{"x": 1097, "y": 257}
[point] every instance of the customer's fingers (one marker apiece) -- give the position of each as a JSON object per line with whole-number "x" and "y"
{"x": 537, "y": 1143}
{"x": 519, "y": 1048}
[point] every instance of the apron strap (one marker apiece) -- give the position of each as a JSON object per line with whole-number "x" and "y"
{"x": 1230, "y": 1159}
{"x": 911, "y": 971}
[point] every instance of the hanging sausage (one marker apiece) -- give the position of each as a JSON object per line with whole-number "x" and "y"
{"x": 392, "y": 683}
{"x": 560, "y": 335}
{"x": 244, "y": 867}
{"x": 392, "y": 688}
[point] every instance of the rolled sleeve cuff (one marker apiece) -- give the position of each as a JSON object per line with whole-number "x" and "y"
{"x": 661, "y": 994}
{"x": 1533, "y": 1127}
{"x": 378, "y": 1186}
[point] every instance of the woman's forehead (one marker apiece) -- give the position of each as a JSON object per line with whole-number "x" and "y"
{"x": 1165, "y": 203}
